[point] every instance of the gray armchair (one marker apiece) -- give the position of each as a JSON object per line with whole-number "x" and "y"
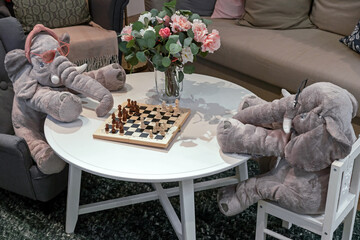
{"x": 18, "y": 171}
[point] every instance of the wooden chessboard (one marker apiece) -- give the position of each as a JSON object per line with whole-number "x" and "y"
{"x": 133, "y": 133}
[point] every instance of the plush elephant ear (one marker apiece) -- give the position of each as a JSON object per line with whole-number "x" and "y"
{"x": 18, "y": 69}
{"x": 318, "y": 148}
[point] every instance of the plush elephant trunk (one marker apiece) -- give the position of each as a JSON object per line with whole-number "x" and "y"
{"x": 83, "y": 84}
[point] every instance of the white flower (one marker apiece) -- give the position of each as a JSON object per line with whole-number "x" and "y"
{"x": 187, "y": 55}
{"x": 150, "y": 28}
{"x": 143, "y": 16}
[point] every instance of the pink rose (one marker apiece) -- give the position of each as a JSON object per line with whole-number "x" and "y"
{"x": 167, "y": 21}
{"x": 164, "y": 32}
{"x": 126, "y": 33}
{"x": 179, "y": 23}
{"x": 200, "y": 30}
{"x": 212, "y": 42}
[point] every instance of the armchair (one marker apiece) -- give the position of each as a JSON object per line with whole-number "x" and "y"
{"x": 18, "y": 171}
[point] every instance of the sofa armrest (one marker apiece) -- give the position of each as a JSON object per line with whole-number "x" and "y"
{"x": 14, "y": 151}
{"x": 108, "y": 13}
{"x": 11, "y": 34}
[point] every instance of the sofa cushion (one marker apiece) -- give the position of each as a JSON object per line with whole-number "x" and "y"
{"x": 201, "y": 7}
{"x": 231, "y": 9}
{"x": 336, "y": 16}
{"x": 353, "y": 41}
{"x": 51, "y": 13}
{"x": 91, "y": 44}
{"x": 277, "y": 14}
{"x": 285, "y": 58}
{"x": 150, "y": 4}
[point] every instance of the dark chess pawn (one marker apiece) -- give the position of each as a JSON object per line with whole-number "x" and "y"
{"x": 129, "y": 103}
{"x": 113, "y": 130}
{"x": 106, "y": 128}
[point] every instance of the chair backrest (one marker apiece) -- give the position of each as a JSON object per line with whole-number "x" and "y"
{"x": 343, "y": 185}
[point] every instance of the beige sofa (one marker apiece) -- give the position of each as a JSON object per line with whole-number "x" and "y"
{"x": 264, "y": 60}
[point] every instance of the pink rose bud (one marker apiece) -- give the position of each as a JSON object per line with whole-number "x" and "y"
{"x": 164, "y": 32}
{"x": 126, "y": 34}
{"x": 167, "y": 21}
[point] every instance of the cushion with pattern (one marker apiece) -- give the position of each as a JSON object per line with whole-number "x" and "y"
{"x": 51, "y": 13}
{"x": 353, "y": 40}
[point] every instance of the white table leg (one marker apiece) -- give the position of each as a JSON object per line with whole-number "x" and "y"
{"x": 187, "y": 207}
{"x": 73, "y": 197}
{"x": 242, "y": 172}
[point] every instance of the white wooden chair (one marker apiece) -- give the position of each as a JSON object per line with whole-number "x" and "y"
{"x": 341, "y": 203}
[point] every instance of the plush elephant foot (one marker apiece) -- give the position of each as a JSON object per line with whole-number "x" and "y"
{"x": 112, "y": 77}
{"x": 225, "y": 131}
{"x": 250, "y": 100}
{"x": 69, "y": 107}
{"x": 228, "y": 202}
{"x": 50, "y": 163}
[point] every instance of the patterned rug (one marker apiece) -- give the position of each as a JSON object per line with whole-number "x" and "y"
{"x": 21, "y": 218}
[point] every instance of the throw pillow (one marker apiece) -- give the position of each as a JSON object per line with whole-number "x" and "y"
{"x": 229, "y": 9}
{"x": 353, "y": 41}
{"x": 201, "y": 7}
{"x": 336, "y": 16}
{"x": 157, "y": 4}
{"x": 277, "y": 14}
{"x": 51, "y": 13}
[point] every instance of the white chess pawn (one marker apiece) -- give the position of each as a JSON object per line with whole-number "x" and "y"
{"x": 163, "y": 106}
{"x": 158, "y": 114}
{"x": 176, "y": 112}
{"x": 170, "y": 109}
{"x": 162, "y": 129}
{"x": 142, "y": 124}
{"x": 177, "y": 103}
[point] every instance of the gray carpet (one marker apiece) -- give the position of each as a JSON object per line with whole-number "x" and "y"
{"x": 21, "y": 218}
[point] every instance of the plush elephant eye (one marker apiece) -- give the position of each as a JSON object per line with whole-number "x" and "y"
{"x": 41, "y": 64}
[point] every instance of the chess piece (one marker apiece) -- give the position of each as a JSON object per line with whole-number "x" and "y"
{"x": 129, "y": 103}
{"x": 113, "y": 130}
{"x": 142, "y": 124}
{"x": 158, "y": 114}
{"x": 137, "y": 110}
{"x": 119, "y": 108}
{"x": 163, "y": 106}
{"x": 113, "y": 116}
{"x": 151, "y": 135}
{"x": 177, "y": 104}
{"x": 125, "y": 115}
{"x": 119, "y": 114}
{"x": 107, "y": 128}
{"x": 162, "y": 129}
{"x": 121, "y": 129}
{"x": 170, "y": 109}
{"x": 176, "y": 112}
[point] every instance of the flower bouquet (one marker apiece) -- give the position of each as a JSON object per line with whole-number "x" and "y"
{"x": 170, "y": 40}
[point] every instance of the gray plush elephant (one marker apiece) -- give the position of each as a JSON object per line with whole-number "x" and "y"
{"x": 42, "y": 78}
{"x": 307, "y": 133}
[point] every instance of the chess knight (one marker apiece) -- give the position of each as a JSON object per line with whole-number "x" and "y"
{"x": 306, "y": 132}
{"x": 42, "y": 76}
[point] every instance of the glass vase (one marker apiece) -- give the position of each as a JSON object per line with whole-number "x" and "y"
{"x": 168, "y": 84}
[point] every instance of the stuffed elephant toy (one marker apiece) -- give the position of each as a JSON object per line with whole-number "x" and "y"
{"x": 306, "y": 132}
{"x": 42, "y": 78}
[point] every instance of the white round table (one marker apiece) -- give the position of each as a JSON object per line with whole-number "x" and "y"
{"x": 193, "y": 153}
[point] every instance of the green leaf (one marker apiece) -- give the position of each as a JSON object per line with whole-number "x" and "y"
{"x": 203, "y": 54}
{"x": 162, "y": 14}
{"x": 194, "y": 16}
{"x": 157, "y": 59}
{"x": 133, "y": 61}
{"x": 190, "y": 33}
{"x": 207, "y": 21}
{"x": 168, "y": 11}
{"x": 154, "y": 12}
{"x": 149, "y": 34}
{"x": 130, "y": 56}
{"x": 189, "y": 69}
{"x": 142, "y": 43}
{"x": 141, "y": 56}
{"x": 123, "y": 48}
{"x": 185, "y": 12}
{"x": 180, "y": 76}
{"x": 194, "y": 48}
{"x": 166, "y": 61}
{"x": 187, "y": 41}
{"x": 136, "y": 34}
{"x": 137, "y": 26}
{"x": 174, "y": 38}
{"x": 174, "y": 48}
{"x": 130, "y": 44}
{"x": 150, "y": 43}
{"x": 170, "y": 4}
{"x": 157, "y": 28}
{"x": 182, "y": 37}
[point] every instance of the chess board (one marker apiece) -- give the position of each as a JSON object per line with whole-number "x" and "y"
{"x": 133, "y": 133}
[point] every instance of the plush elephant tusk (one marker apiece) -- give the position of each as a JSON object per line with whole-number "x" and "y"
{"x": 285, "y": 92}
{"x": 82, "y": 68}
{"x": 55, "y": 79}
{"x": 287, "y": 125}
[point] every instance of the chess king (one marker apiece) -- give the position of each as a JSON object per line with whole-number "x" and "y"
{"x": 42, "y": 76}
